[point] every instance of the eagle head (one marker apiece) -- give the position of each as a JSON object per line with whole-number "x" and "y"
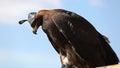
{"x": 33, "y": 20}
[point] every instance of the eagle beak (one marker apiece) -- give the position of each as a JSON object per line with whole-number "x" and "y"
{"x": 35, "y": 29}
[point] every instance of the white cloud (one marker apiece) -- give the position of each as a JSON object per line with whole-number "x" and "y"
{"x": 97, "y": 3}
{"x": 11, "y": 10}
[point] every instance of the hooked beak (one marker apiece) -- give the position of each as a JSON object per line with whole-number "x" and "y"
{"x": 35, "y": 29}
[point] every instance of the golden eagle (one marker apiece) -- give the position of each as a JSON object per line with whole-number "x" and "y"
{"x": 78, "y": 43}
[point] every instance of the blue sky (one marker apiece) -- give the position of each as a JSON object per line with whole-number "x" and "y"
{"x": 20, "y": 48}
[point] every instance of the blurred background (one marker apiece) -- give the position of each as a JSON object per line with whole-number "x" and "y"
{"x": 20, "y": 48}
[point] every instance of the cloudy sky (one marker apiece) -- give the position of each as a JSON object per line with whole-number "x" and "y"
{"x": 19, "y": 48}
